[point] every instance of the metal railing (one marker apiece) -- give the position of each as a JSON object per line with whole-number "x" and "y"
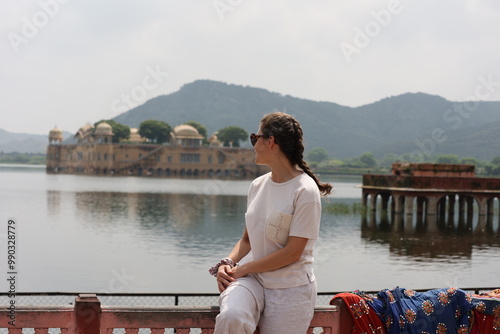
{"x": 89, "y": 316}
{"x": 156, "y": 299}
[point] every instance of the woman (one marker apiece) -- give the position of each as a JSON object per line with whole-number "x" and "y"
{"x": 274, "y": 286}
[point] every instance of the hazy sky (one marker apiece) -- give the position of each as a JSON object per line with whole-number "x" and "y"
{"x": 69, "y": 62}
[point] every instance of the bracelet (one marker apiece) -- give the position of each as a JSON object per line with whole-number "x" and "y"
{"x": 227, "y": 261}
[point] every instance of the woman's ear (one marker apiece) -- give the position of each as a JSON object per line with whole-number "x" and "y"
{"x": 271, "y": 142}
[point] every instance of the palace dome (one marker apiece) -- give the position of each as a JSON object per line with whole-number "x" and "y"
{"x": 214, "y": 141}
{"x": 135, "y": 136}
{"x": 186, "y": 131}
{"x": 85, "y": 129}
{"x": 104, "y": 128}
{"x": 55, "y": 134}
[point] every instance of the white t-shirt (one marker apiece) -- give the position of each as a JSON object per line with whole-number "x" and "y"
{"x": 276, "y": 211}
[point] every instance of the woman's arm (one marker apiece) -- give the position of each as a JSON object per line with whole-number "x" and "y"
{"x": 239, "y": 251}
{"x": 289, "y": 254}
{"x": 241, "y": 248}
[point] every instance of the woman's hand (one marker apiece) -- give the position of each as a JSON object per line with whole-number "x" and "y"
{"x": 226, "y": 274}
{"x": 224, "y": 278}
{"x": 238, "y": 271}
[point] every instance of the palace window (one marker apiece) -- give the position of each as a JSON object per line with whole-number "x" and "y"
{"x": 186, "y": 157}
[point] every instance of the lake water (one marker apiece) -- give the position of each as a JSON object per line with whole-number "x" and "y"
{"x": 133, "y": 234}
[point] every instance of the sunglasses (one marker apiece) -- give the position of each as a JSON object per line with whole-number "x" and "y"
{"x": 254, "y": 138}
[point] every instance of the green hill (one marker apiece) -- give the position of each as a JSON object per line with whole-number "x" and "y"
{"x": 392, "y": 125}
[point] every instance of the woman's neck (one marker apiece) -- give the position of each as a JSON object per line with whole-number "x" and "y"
{"x": 283, "y": 172}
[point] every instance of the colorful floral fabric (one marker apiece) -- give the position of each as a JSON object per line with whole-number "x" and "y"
{"x": 486, "y": 310}
{"x": 365, "y": 320}
{"x": 439, "y": 311}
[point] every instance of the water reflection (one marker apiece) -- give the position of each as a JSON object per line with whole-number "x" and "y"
{"x": 426, "y": 237}
{"x": 192, "y": 224}
{"x": 53, "y": 202}
{"x": 198, "y": 225}
{"x": 191, "y": 219}
{"x": 104, "y": 209}
{"x": 158, "y": 236}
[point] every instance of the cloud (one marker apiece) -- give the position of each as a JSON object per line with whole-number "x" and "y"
{"x": 90, "y": 53}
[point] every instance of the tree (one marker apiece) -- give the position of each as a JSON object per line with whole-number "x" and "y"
{"x": 469, "y": 161}
{"x": 156, "y": 131}
{"x": 120, "y": 131}
{"x": 388, "y": 160}
{"x": 492, "y": 170}
{"x": 447, "y": 159}
{"x": 496, "y": 161}
{"x": 232, "y": 135}
{"x": 317, "y": 154}
{"x": 368, "y": 159}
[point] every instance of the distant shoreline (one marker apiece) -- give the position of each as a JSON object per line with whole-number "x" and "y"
{"x": 340, "y": 173}
{"x": 22, "y": 165}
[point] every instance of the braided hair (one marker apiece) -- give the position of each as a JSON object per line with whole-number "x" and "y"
{"x": 288, "y": 134}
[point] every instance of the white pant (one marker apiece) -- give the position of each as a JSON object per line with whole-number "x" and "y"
{"x": 246, "y": 304}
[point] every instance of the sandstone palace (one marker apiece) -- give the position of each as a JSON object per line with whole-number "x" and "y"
{"x": 185, "y": 155}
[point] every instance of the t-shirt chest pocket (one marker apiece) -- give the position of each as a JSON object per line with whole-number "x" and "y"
{"x": 278, "y": 227}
